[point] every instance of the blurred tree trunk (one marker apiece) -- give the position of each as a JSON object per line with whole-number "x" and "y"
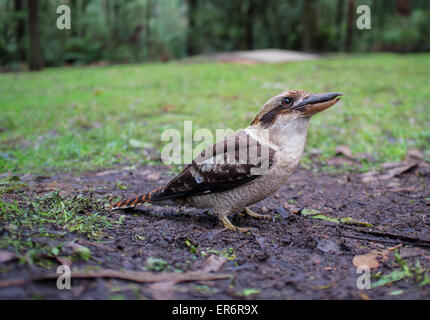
{"x": 116, "y": 22}
{"x": 35, "y": 58}
{"x": 135, "y": 36}
{"x": 83, "y": 30}
{"x": 249, "y": 26}
{"x": 339, "y": 19}
{"x": 108, "y": 15}
{"x": 403, "y": 7}
{"x": 309, "y": 21}
{"x": 351, "y": 25}
{"x": 264, "y": 12}
{"x": 148, "y": 16}
{"x": 20, "y": 30}
{"x": 77, "y": 11}
{"x": 191, "y": 15}
{"x": 75, "y": 14}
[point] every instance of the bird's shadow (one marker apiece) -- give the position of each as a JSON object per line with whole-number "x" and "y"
{"x": 200, "y": 217}
{"x": 175, "y": 214}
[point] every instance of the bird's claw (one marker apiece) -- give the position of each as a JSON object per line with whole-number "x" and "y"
{"x": 257, "y": 215}
{"x": 230, "y": 226}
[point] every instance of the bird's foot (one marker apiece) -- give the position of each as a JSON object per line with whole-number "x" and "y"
{"x": 230, "y": 226}
{"x": 257, "y": 215}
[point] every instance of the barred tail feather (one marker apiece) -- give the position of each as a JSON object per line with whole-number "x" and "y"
{"x": 139, "y": 200}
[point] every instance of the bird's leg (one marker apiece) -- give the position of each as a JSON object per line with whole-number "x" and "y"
{"x": 257, "y": 215}
{"x": 230, "y": 226}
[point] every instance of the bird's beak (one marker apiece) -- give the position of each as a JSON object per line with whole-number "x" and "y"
{"x": 318, "y": 102}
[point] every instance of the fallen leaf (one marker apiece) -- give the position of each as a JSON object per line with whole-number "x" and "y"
{"x": 424, "y": 168}
{"x": 370, "y": 177}
{"x": 315, "y": 214}
{"x": 395, "y": 169}
{"x": 352, "y": 221}
{"x": 310, "y": 212}
{"x": 6, "y": 256}
{"x": 390, "y": 165}
{"x": 336, "y": 161}
{"x": 78, "y": 249}
{"x": 394, "y": 183}
{"x": 364, "y": 296}
{"x": 290, "y": 208}
{"x": 344, "y": 151}
{"x": 213, "y": 263}
{"x": 398, "y": 170}
{"x": 371, "y": 259}
{"x": 156, "y": 264}
{"x": 248, "y": 292}
{"x": 397, "y": 292}
{"x": 264, "y": 210}
{"x": 325, "y": 218}
{"x": 64, "y": 188}
{"x": 328, "y": 246}
{"x": 136, "y": 143}
{"x": 414, "y": 154}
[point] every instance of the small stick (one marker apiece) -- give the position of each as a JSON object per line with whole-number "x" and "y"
{"x": 393, "y": 238}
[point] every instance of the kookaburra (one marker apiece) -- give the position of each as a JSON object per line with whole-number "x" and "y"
{"x": 229, "y": 176}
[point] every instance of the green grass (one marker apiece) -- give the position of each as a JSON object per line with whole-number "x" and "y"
{"x": 88, "y": 118}
{"x": 52, "y": 216}
{"x": 416, "y": 274}
{"x": 70, "y": 214}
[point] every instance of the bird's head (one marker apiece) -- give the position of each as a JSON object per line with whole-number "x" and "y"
{"x": 293, "y": 104}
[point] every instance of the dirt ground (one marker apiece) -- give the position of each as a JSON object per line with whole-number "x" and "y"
{"x": 294, "y": 256}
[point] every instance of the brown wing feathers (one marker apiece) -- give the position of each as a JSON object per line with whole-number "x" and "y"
{"x": 202, "y": 177}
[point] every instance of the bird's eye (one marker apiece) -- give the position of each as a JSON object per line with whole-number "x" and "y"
{"x": 286, "y": 101}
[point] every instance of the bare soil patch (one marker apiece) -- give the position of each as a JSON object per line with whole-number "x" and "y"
{"x": 295, "y": 256}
